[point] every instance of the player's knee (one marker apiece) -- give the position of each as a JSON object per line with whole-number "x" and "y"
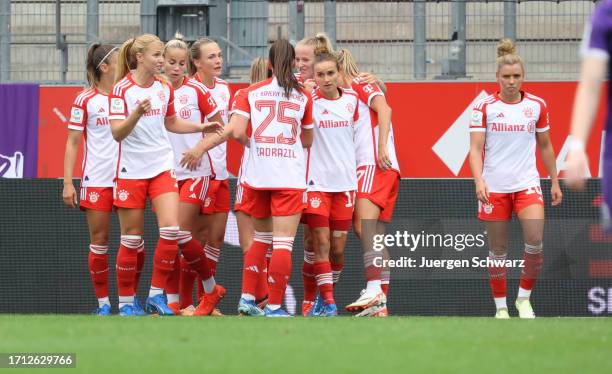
{"x": 99, "y": 238}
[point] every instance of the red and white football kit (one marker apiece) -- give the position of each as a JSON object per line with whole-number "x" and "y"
{"x": 192, "y": 102}
{"x": 275, "y": 174}
{"x": 509, "y": 169}
{"x": 242, "y": 201}
{"x": 89, "y": 114}
{"x": 331, "y": 178}
{"x": 378, "y": 186}
{"x": 218, "y": 200}
{"x": 275, "y": 169}
{"x": 146, "y": 160}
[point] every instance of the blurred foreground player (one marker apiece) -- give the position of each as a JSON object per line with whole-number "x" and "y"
{"x": 512, "y": 122}
{"x": 89, "y": 117}
{"x": 596, "y": 50}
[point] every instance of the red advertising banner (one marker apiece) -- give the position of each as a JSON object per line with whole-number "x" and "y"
{"x": 430, "y": 122}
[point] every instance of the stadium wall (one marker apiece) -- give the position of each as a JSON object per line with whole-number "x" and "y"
{"x": 44, "y": 245}
{"x": 430, "y": 122}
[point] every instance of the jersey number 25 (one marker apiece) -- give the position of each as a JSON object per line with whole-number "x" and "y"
{"x": 276, "y": 111}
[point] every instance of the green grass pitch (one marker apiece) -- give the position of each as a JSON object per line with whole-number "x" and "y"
{"x": 306, "y": 345}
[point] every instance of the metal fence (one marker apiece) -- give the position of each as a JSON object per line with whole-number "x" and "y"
{"x": 397, "y": 40}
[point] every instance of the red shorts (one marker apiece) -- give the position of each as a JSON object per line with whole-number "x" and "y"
{"x": 243, "y": 202}
{"x": 325, "y": 207}
{"x": 218, "y": 197}
{"x": 194, "y": 190}
{"x": 268, "y": 203}
{"x": 380, "y": 187}
{"x": 96, "y": 198}
{"x": 133, "y": 193}
{"x": 503, "y": 204}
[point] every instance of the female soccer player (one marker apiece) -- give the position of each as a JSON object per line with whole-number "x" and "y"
{"x": 596, "y": 51}
{"x": 378, "y": 182}
{"x": 259, "y": 72}
{"x": 280, "y": 113}
{"x": 89, "y": 116}
{"x": 331, "y": 176}
{"x": 192, "y": 102}
{"x": 206, "y": 64}
{"x": 512, "y": 122}
{"x": 141, "y": 112}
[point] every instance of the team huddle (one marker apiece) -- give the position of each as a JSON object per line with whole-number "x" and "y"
{"x": 307, "y": 137}
{"x": 318, "y": 150}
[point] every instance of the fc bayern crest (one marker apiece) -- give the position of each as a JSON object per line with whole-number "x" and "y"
{"x": 123, "y": 195}
{"x": 528, "y": 112}
{"x": 93, "y": 197}
{"x": 488, "y": 208}
{"x": 185, "y": 113}
{"x": 161, "y": 95}
{"x": 223, "y": 96}
{"x": 184, "y": 99}
{"x": 350, "y": 108}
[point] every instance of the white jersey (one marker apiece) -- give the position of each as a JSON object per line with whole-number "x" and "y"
{"x": 509, "y": 152}
{"x": 192, "y": 102}
{"x": 366, "y": 138}
{"x": 89, "y": 114}
{"x": 221, "y": 93}
{"x": 276, "y": 158}
{"x": 146, "y": 151}
{"x": 331, "y": 159}
{"x": 245, "y": 153}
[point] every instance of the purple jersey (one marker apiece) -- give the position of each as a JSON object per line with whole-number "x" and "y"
{"x": 598, "y": 43}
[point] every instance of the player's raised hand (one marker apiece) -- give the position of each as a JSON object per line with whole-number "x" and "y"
{"x": 192, "y": 159}
{"x": 212, "y": 127}
{"x": 556, "y": 194}
{"x": 69, "y": 195}
{"x": 482, "y": 191}
{"x": 577, "y": 163}
{"x": 309, "y": 84}
{"x": 144, "y": 106}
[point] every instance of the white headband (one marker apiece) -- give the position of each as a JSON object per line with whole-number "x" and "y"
{"x": 106, "y": 56}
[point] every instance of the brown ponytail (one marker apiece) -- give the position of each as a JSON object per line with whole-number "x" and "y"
{"x": 281, "y": 58}
{"x": 96, "y": 55}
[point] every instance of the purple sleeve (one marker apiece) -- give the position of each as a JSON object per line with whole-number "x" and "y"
{"x": 598, "y": 33}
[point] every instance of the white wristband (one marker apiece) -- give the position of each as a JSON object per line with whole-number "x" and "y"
{"x": 576, "y": 145}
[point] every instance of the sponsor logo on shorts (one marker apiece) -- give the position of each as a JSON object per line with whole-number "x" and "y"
{"x": 193, "y": 196}
{"x": 93, "y": 197}
{"x": 123, "y": 195}
{"x": 315, "y": 202}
